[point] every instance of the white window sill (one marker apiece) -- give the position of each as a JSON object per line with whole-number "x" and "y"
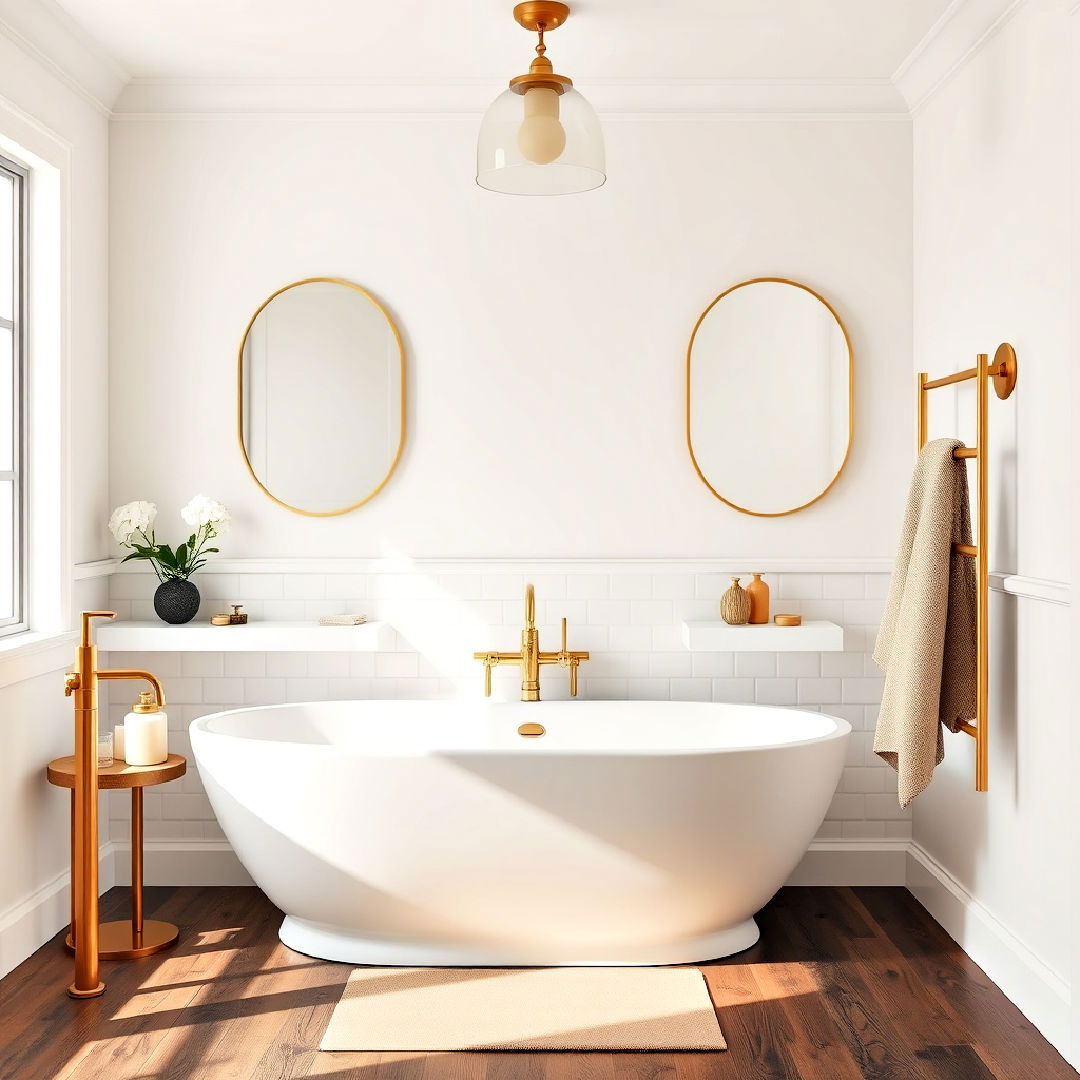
{"x": 32, "y": 653}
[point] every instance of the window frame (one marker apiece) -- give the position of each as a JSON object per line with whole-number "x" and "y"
{"x": 19, "y": 621}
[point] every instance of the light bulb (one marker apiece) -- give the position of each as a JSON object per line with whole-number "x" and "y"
{"x": 541, "y": 138}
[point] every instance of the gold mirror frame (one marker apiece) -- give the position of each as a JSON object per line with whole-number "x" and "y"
{"x": 851, "y": 396}
{"x": 240, "y": 397}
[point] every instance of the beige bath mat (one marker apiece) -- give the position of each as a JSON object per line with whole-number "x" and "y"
{"x": 524, "y": 1009}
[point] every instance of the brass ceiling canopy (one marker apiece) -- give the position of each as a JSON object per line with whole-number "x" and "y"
{"x": 539, "y": 16}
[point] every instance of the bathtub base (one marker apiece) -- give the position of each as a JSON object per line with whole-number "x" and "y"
{"x": 327, "y": 943}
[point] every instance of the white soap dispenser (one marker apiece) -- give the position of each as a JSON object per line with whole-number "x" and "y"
{"x": 146, "y": 732}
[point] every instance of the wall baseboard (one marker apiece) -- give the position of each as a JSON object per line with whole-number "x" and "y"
{"x": 1038, "y": 991}
{"x": 213, "y": 862}
{"x": 182, "y": 862}
{"x": 852, "y": 862}
{"x": 25, "y": 927}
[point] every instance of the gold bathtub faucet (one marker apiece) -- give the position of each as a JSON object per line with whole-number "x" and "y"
{"x": 83, "y": 684}
{"x": 530, "y": 658}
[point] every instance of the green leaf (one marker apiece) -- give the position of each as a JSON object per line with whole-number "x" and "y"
{"x": 166, "y": 557}
{"x": 214, "y": 550}
{"x": 181, "y": 555}
{"x": 133, "y": 555}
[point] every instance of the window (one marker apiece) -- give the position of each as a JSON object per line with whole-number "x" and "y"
{"x": 13, "y": 615}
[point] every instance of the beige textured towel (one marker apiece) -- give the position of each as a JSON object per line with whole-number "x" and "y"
{"x": 926, "y": 645}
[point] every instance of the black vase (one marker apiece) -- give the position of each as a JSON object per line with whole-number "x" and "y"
{"x": 176, "y": 601}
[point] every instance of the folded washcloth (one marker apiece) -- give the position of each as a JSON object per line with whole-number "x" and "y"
{"x": 342, "y": 620}
{"x": 926, "y": 644}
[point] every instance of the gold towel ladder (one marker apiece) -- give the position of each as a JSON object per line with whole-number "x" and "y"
{"x": 1003, "y": 373}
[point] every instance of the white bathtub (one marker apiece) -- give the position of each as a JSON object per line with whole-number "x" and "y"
{"x": 431, "y": 833}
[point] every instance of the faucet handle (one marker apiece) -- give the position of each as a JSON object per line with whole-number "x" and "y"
{"x": 71, "y": 683}
{"x": 86, "y": 617}
{"x": 489, "y": 660}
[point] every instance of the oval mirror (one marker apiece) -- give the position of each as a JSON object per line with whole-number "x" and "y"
{"x": 321, "y": 396}
{"x": 769, "y": 397}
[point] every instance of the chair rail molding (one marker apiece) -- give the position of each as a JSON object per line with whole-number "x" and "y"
{"x": 497, "y": 564}
{"x": 1032, "y": 588}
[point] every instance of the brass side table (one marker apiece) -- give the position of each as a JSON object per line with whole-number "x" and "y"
{"x": 137, "y": 937}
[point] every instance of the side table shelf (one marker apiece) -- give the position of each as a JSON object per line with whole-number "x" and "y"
{"x": 138, "y": 937}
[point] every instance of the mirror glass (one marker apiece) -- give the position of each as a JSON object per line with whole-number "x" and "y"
{"x": 322, "y": 396}
{"x": 769, "y": 397}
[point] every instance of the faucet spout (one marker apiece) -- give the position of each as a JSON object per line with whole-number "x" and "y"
{"x": 132, "y": 673}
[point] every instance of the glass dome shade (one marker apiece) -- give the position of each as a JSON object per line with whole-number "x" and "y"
{"x": 559, "y": 162}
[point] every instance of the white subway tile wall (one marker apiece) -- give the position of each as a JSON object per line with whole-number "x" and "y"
{"x": 631, "y": 623}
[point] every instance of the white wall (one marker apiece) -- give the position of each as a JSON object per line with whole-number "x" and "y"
{"x": 45, "y": 115}
{"x": 546, "y": 338}
{"x": 993, "y": 199}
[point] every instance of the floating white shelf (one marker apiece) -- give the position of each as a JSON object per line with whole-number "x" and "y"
{"x": 814, "y": 635}
{"x": 200, "y": 636}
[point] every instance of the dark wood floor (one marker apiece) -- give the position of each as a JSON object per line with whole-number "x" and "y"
{"x": 844, "y": 984}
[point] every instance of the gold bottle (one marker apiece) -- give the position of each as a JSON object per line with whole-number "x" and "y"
{"x": 759, "y": 600}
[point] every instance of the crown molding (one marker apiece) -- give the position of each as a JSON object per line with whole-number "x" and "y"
{"x": 469, "y": 97}
{"x": 45, "y": 32}
{"x": 959, "y": 34}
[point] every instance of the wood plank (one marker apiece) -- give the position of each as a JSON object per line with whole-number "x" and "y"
{"x": 872, "y": 1035}
{"x": 1009, "y": 1044}
{"x": 758, "y": 1034}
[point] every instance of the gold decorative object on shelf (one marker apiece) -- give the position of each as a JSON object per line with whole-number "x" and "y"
{"x": 530, "y": 658}
{"x": 759, "y": 600}
{"x": 1002, "y": 373}
{"x": 238, "y": 616}
{"x": 735, "y": 605}
{"x": 82, "y": 683}
{"x": 788, "y": 620}
{"x": 220, "y": 620}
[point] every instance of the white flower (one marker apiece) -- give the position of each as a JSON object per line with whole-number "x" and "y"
{"x": 131, "y": 518}
{"x": 203, "y": 511}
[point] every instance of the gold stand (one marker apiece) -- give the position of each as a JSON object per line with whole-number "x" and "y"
{"x": 134, "y": 937}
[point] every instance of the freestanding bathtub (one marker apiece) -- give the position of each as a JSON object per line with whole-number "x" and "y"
{"x": 419, "y": 833}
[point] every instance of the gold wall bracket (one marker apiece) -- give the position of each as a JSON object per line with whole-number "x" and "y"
{"x": 1002, "y": 373}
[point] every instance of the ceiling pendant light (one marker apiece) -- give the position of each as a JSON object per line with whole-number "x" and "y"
{"x": 540, "y": 137}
